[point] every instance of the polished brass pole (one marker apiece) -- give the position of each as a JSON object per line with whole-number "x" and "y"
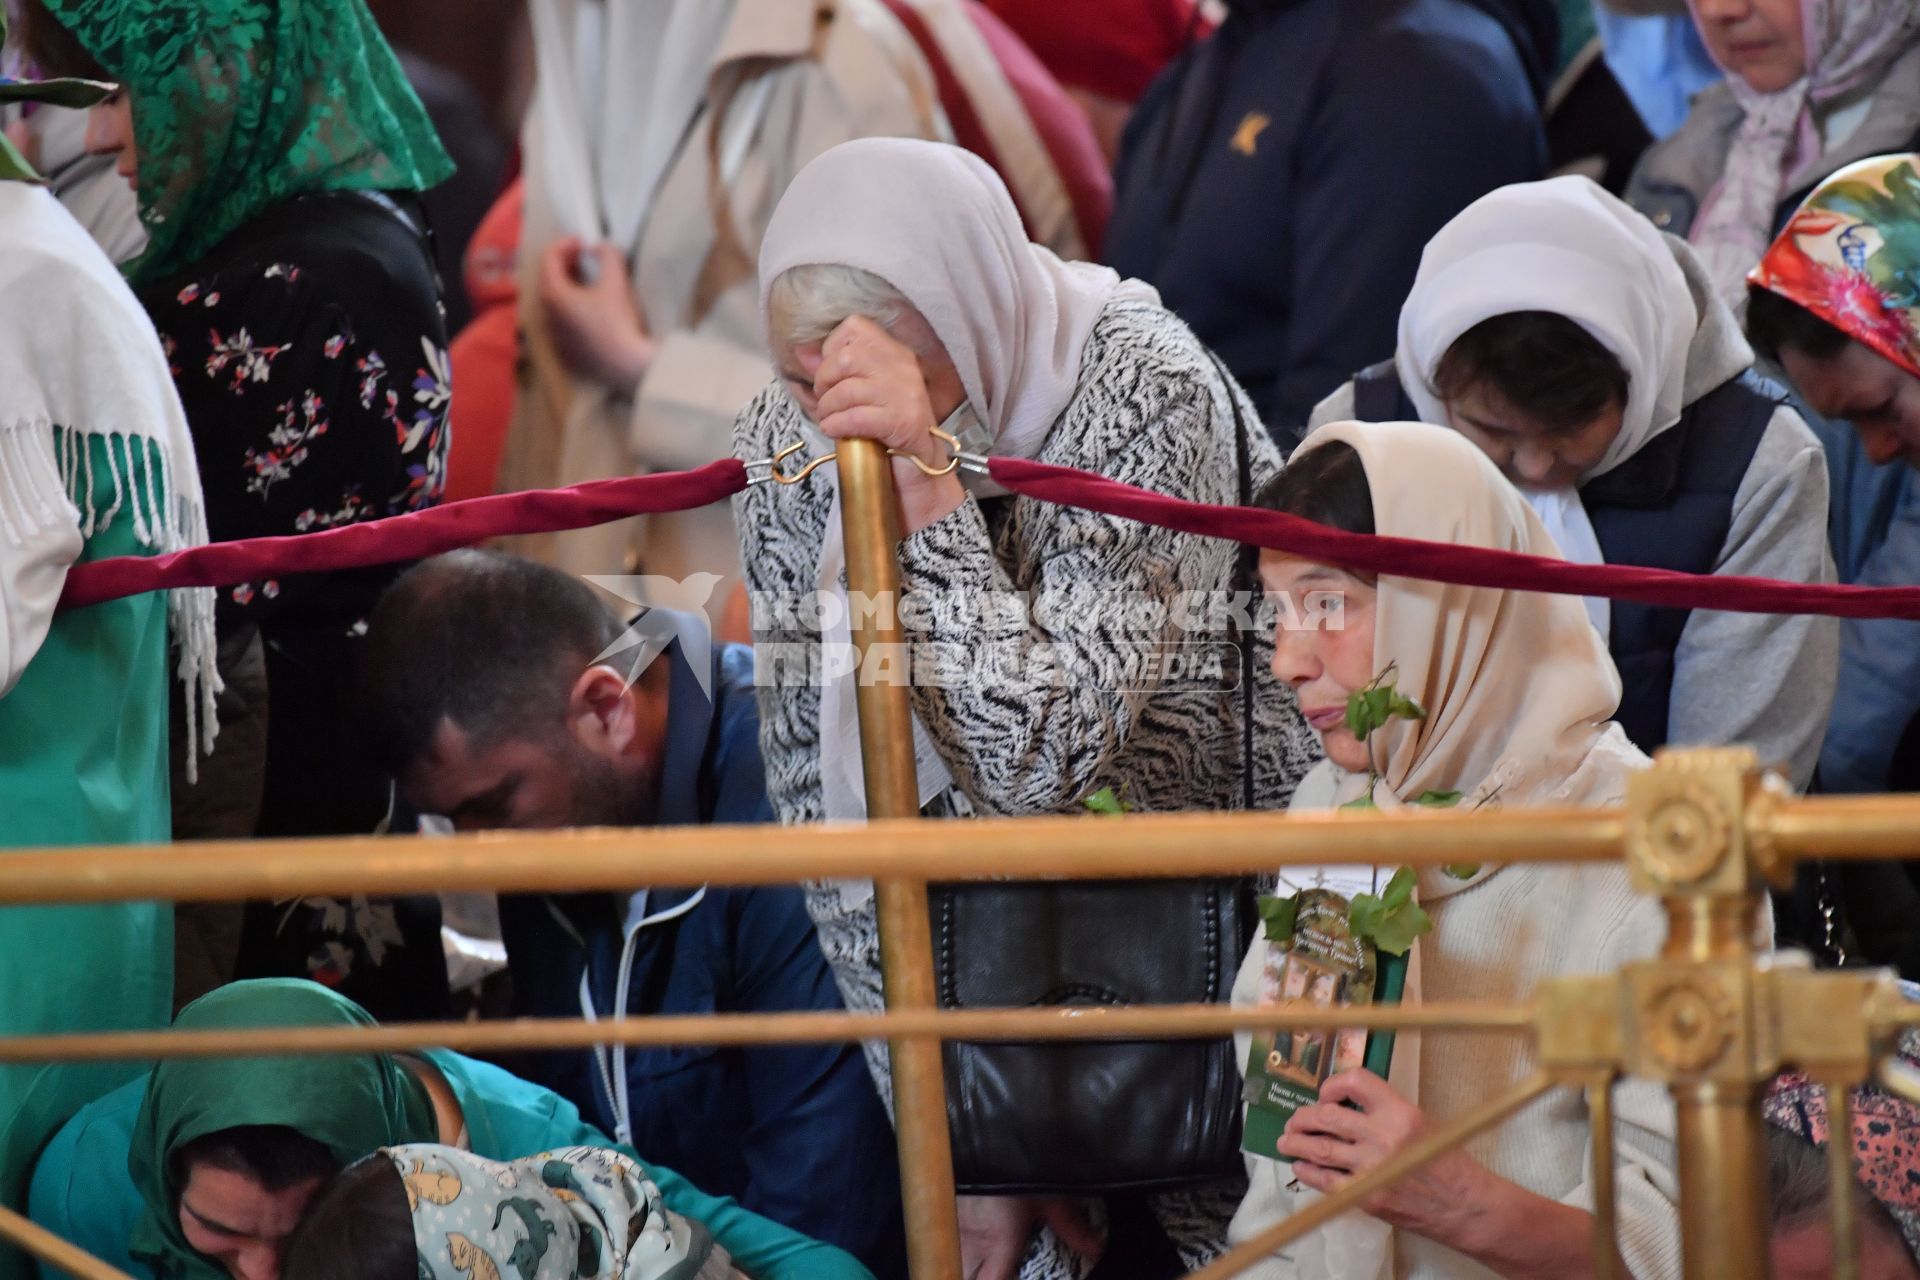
{"x": 1074, "y": 1023}
{"x": 1721, "y": 1139}
{"x": 1846, "y": 1221}
{"x": 584, "y": 860}
{"x": 40, "y": 1243}
{"x": 1606, "y": 1231}
{"x": 870, "y": 523}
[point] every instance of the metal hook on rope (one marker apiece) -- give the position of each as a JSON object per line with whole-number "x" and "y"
{"x": 775, "y": 474}
{"x": 770, "y": 467}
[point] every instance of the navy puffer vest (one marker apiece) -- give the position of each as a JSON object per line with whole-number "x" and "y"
{"x": 1667, "y": 507}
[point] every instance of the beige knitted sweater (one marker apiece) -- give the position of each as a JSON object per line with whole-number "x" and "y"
{"x": 1497, "y": 940}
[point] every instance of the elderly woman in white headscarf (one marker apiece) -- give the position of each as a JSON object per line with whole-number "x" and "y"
{"x": 1518, "y": 697}
{"x": 901, "y": 294}
{"x": 1588, "y": 356}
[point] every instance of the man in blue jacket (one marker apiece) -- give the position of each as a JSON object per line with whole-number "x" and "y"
{"x": 1279, "y": 180}
{"x": 503, "y": 694}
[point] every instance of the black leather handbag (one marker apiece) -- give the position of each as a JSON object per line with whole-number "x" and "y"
{"x": 1053, "y": 1117}
{"x": 1081, "y": 1118}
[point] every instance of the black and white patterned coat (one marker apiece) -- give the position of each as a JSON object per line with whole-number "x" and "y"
{"x": 1018, "y": 736}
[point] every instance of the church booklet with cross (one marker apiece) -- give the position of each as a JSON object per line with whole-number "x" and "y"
{"x": 1320, "y": 961}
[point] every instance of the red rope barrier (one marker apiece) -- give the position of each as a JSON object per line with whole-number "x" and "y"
{"x": 409, "y": 537}
{"x": 1445, "y": 562}
{"x": 463, "y": 524}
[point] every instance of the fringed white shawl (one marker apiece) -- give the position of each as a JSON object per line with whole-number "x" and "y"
{"x": 80, "y": 361}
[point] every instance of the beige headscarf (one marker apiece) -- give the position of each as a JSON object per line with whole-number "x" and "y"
{"x": 937, "y": 224}
{"x": 1518, "y": 688}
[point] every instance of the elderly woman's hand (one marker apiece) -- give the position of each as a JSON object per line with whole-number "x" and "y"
{"x": 1332, "y": 1144}
{"x": 871, "y": 386}
{"x": 1453, "y": 1199}
{"x": 588, "y": 301}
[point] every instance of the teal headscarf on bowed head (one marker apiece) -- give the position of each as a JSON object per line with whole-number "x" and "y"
{"x": 239, "y": 105}
{"x": 351, "y": 1105}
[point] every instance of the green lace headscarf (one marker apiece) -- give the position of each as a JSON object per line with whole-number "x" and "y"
{"x": 350, "y": 1105}
{"x": 241, "y": 104}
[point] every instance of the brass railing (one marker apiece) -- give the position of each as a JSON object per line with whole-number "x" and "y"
{"x": 1712, "y": 1017}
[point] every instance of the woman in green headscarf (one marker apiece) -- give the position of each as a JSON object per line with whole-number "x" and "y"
{"x": 278, "y": 153}
{"x": 201, "y": 1169}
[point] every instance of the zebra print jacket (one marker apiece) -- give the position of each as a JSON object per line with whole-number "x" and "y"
{"x": 1033, "y": 709}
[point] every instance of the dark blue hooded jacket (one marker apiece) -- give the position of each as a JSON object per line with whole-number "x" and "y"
{"x": 795, "y": 1133}
{"x": 1278, "y": 182}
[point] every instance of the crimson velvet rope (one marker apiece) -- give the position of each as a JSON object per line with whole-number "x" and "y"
{"x": 461, "y": 524}
{"x": 412, "y": 536}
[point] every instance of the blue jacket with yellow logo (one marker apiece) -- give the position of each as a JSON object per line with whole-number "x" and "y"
{"x": 1278, "y": 182}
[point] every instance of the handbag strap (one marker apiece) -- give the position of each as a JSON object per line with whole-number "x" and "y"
{"x": 1245, "y": 567}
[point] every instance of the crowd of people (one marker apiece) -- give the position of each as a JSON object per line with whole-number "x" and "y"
{"x": 1620, "y": 283}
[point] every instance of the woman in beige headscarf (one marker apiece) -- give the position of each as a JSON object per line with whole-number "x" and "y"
{"x": 1519, "y": 693}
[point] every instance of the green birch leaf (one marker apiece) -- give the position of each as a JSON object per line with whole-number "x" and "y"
{"x": 1362, "y": 712}
{"x": 1391, "y": 920}
{"x": 1438, "y": 799}
{"x": 1363, "y": 916}
{"x": 1105, "y": 801}
{"x": 1400, "y": 927}
{"x": 1399, "y": 890}
{"x": 1279, "y": 914}
{"x": 1462, "y": 870}
{"x": 1402, "y": 707}
{"x": 1370, "y": 708}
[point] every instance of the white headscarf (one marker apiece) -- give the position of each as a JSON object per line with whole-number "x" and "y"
{"x": 1778, "y": 144}
{"x": 1565, "y": 246}
{"x": 937, "y": 224}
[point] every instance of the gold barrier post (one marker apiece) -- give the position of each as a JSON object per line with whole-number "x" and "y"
{"x": 1606, "y": 1231}
{"x": 1846, "y": 1223}
{"x": 871, "y": 526}
{"x": 1700, "y": 1022}
{"x": 40, "y": 1243}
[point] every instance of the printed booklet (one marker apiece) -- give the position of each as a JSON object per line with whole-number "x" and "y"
{"x": 1325, "y": 964}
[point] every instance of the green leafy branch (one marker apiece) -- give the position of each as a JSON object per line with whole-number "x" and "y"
{"x": 1391, "y": 919}
{"x": 1370, "y": 708}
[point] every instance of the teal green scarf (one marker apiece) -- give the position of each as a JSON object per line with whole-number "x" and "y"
{"x": 353, "y": 1106}
{"x": 239, "y": 105}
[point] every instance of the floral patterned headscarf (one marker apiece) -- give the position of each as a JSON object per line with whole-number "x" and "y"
{"x": 1847, "y": 44}
{"x": 1851, "y": 256}
{"x": 582, "y": 1213}
{"x": 239, "y": 105}
{"x": 1886, "y": 1137}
